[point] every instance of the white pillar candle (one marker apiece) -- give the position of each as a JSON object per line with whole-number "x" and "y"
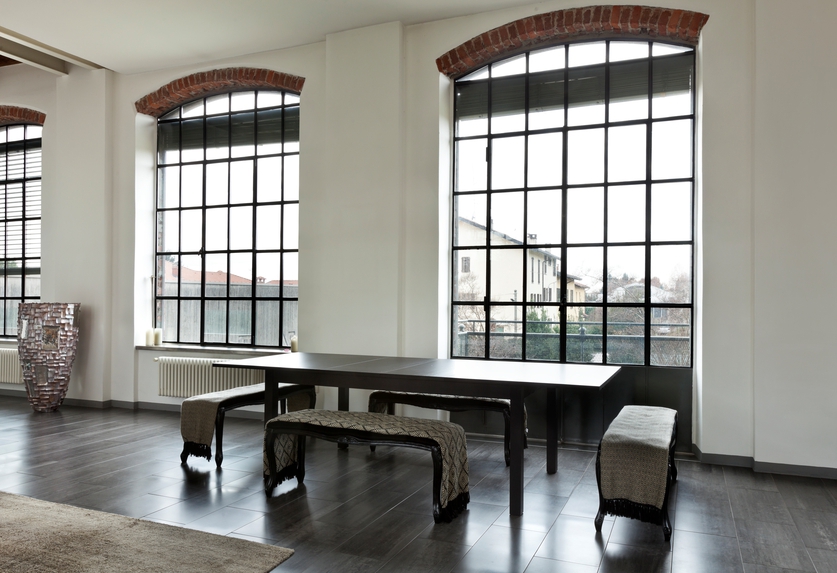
{"x": 158, "y": 336}
{"x": 294, "y": 344}
{"x": 149, "y": 337}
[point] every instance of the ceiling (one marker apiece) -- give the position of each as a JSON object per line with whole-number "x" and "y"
{"x": 128, "y": 36}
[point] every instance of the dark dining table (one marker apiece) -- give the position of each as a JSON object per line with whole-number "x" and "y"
{"x": 459, "y": 377}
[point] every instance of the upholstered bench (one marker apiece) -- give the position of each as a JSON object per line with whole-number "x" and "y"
{"x": 384, "y": 402}
{"x": 635, "y": 466}
{"x": 203, "y": 415}
{"x": 284, "y": 446}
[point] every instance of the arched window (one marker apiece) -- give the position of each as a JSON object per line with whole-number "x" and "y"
{"x": 574, "y": 205}
{"x": 227, "y": 219}
{"x": 20, "y": 219}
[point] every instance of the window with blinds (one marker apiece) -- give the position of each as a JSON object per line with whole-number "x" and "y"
{"x": 227, "y": 252}
{"x": 574, "y": 205}
{"x": 20, "y": 219}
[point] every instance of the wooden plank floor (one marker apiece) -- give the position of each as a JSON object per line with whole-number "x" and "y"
{"x": 360, "y": 511}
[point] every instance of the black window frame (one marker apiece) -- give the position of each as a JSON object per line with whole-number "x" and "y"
{"x": 524, "y": 305}
{"x": 20, "y": 220}
{"x": 273, "y": 123}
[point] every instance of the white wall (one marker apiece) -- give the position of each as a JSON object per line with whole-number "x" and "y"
{"x": 374, "y": 193}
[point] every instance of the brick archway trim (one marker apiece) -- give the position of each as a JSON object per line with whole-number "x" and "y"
{"x": 640, "y": 22}
{"x": 12, "y": 114}
{"x": 202, "y": 84}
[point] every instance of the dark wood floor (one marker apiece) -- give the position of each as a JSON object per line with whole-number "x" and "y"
{"x": 360, "y": 511}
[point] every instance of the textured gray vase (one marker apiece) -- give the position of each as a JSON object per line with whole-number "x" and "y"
{"x": 47, "y": 335}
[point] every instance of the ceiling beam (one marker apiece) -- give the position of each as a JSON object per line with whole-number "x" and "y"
{"x": 34, "y": 53}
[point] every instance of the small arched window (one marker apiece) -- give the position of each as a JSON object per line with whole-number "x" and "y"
{"x": 578, "y": 157}
{"x": 20, "y": 219}
{"x": 227, "y": 220}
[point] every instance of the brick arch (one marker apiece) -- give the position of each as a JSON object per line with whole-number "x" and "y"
{"x": 640, "y": 22}
{"x": 12, "y": 114}
{"x": 180, "y": 91}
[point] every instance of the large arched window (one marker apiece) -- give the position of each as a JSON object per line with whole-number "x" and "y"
{"x": 227, "y": 220}
{"x": 574, "y": 204}
{"x": 20, "y": 219}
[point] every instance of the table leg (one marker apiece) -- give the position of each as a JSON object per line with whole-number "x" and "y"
{"x": 271, "y": 389}
{"x": 342, "y": 398}
{"x": 516, "y": 451}
{"x": 551, "y": 430}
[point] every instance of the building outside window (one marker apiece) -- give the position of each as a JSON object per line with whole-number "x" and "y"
{"x": 580, "y": 157}
{"x": 228, "y": 220}
{"x": 20, "y": 219}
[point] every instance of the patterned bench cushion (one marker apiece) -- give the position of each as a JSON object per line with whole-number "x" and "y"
{"x": 449, "y": 436}
{"x": 635, "y": 455}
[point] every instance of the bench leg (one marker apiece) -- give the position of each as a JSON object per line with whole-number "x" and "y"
{"x": 184, "y": 455}
{"x": 272, "y": 477}
{"x": 436, "y": 454}
{"x": 219, "y": 438}
{"x": 599, "y": 519}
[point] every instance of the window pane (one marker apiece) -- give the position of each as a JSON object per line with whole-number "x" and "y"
{"x": 290, "y": 270}
{"x": 216, "y": 183}
{"x": 673, "y": 81}
{"x": 241, "y": 182}
{"x": 508, "y": 105}
{"x": 168, "y": 187}
{"x": 584, "y": 267}
{"x": 218, "y": 104}
{"x": 472, "y": 109}
{"x": 628, "y": 91}
{"x": 269, "y": 179}
{"x": 191, "y": 144}
{"x": 267, "y": 270}
{"x": 270, "y": 131}
{"x": 291, "y": 127}
{"x": 241, "y": 228}
{"x": 546, "y": 100}
{"x": 671, "y": 212}
{"x": 168, "y": 143}
{"x": 189, "y": 272}
{"x": 167, "y": 311}
{"x": 671, "y": 153}
{"x": 218, "y": 137}
{"x": 586, "y": 96}
{"x": 241, "y": 274}
{"x": 290, "y": 321}
{"x": 505, "y": 338}
{"x": 626, "y": 157}
{"x": 241, "y": 320}
{"x": 269, "y": 227}
{"x": 510, "y": 66}
{"x": 543, "y": 333}
{"x": 190, "y": 321}
{"x": 469, "y": 214}
{"x": 468, "y": 334}
{"x": 585, "y": 156}
{"x": 216, "y": 321}
{"x": 507, "y": 223}
{"x": 545, "y": 158}
{"x": 270, "y": 99}
{"x": 626, "y": 335}
{"x": 216, "y": 221}
{"x": 216, "y": 276}
{"x": 507, "y": 161}
{"x": 544, "y": 217}
{"x": 584, "y": 335}
{"x": 290, "y": 236}
{"x": 191, "y": 186}
{"x": 620, "y": 51}
{"x": 291, "y": 182}
{"x": 626, "y": 214}
{"x": 548, "y": 59}
{"x": 469, "y": 280}
{"x": 267, "y": 322}
{"x": 671, "y": 336}
{"x": 168, "y": 231}
{"x": 671, "y": 274}
{"x": 243, "y": 134}
{"x": 626, "y": 274}
{"x": 587, "y": 53}
{"x": 506, "y": 274}
{"x": 242, "y": 100}
{"x": 585, "y": 215}
{"x": 471, "y": 172}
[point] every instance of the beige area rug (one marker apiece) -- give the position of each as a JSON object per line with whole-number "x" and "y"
{"x": 39, "y": 536}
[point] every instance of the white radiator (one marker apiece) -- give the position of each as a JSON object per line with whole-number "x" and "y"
{"x": 185, "y": 377}
{"x": 10, "y": 372}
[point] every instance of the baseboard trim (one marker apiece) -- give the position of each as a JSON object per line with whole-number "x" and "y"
{"x": 765, "y": 467}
